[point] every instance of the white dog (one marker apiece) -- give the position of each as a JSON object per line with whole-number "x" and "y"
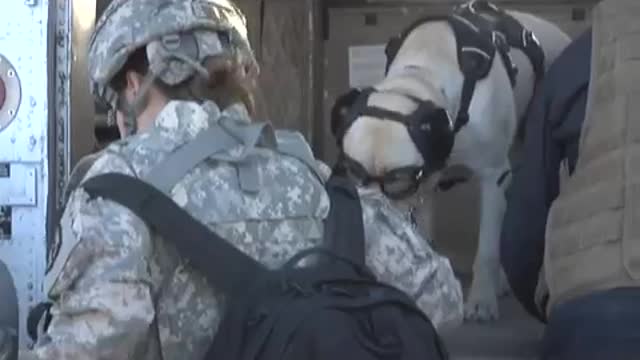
{"x": 426, "y": 70}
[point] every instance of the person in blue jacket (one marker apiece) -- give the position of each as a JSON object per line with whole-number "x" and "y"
{"x": 582, "y": 327}
{"x": 552, "y": 135}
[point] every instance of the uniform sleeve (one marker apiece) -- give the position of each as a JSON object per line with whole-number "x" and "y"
{"x": 399, "y": 256}
{"x": 102, "y": 294}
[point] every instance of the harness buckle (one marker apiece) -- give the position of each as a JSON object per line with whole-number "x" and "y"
{"x": 529, "y": 39}
{"x": 499, "y": 39}
{"x": 171, "y": 42}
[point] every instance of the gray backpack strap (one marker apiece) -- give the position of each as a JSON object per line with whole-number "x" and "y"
{"x": 251, "y": 135}
{"x": 223, "y": 136}
{"x": 293, "y": 144}
{"x": 213, "y": 140}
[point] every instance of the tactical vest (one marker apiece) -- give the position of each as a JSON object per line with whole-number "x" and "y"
{"x": 593, "y": 228}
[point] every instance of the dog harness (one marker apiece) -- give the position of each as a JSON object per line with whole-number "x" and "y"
{"x": 481, "y": 30}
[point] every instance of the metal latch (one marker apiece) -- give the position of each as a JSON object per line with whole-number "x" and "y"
{"x": 5, "y": 223}
{"x": 17, "y": 184}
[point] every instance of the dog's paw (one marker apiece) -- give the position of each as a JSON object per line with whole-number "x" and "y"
{"x": 481, "y": 307}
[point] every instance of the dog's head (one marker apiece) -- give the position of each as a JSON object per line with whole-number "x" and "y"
{"x": 391, "y": 138}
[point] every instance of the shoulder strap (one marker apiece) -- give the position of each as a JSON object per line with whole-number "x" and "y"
{"x": 344, "y": 227}
{"x": 293, "y": 144}
{"x": 177, "y": 164}
{"x": 207, "y": 143}
{"x": 215, "y": 139}
{"x": 225, "y": 266}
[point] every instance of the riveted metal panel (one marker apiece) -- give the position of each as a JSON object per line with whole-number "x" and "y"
{"x": 43, "y": 65}
{"x": 23, "y": 146}
{"x": 19, "y": 188}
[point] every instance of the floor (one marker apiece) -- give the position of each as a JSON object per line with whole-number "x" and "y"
{"x": 514, "y": 336}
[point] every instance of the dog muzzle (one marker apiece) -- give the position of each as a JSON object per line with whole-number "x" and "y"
{"x": 431, "y": 130}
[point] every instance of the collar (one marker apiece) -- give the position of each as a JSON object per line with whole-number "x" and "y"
{"x": 182, "y": 114}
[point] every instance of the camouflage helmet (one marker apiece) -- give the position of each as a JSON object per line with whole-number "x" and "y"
{"x": 178, "y": 36}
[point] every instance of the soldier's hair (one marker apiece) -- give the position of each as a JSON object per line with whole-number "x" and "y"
{"x": 137, "y": 62}
{"x": 230, "y": 81}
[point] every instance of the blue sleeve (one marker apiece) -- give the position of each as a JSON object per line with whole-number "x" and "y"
{"x": 522, "y": 243}
{"x": 553, "y": 128}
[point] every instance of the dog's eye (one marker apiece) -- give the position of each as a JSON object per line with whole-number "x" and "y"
{"x": 400, "y": 183}
{"x": 398, "y": 188}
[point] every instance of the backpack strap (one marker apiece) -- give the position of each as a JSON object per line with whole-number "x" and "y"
{"x": 220, "y": 262}
{"x": 207, "y": 143}
{"x": 293, "y": 144}
{"x": 216, "y": 139}
{"x": 344, "y": 227}
{"x": 225, "y": 266}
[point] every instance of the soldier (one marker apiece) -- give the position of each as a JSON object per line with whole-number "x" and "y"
{"x": 171, "y": 70}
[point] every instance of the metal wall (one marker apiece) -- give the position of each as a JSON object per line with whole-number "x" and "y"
{"x": 72, "y": 125}
{"x": 43, "y": 65}
{"x": 24, "y": 154}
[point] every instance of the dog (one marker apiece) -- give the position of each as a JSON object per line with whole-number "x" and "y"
{"x": 406, "y": 131}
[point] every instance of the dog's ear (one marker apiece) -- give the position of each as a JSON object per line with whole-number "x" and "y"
{"x": 340, "y": 111}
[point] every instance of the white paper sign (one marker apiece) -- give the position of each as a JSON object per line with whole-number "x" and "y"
{"x": 366, "y": 65}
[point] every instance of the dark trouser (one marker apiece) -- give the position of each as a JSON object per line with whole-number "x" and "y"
{"x": 604, "y": 325}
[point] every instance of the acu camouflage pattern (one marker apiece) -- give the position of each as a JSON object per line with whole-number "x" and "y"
{"x": 127, "y": 25}
{"x": 78, "y": 173}
{"x": 120, "y": 292}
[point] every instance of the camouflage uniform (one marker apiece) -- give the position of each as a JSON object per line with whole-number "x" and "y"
{"x": 78, "y": 173}
{"x": 122, "y": 292}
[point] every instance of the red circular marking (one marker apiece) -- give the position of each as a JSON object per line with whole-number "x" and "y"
{"x": 3, "y": 93}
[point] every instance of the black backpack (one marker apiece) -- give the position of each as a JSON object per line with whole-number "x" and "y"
{"x": 332, "y": 309}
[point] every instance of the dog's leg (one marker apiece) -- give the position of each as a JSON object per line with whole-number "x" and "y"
{"x": 504, "y": 288}
{"x": 482, "y": 302}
